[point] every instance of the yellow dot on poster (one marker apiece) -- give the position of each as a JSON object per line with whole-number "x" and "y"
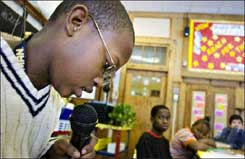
{"x": 213, "y": 49}
{"x": 218, "y": 45}
{"x": 204, "y": 58}
{"x": 239, "y": 59}
{"x": 237, "y": 39}
{"x": 203, "y": 48}
{"x": 216, "y": 55}
{"x": 222, "y": 65}
{"x": 210, "y": 43}
{"x": 226, "y": 49}
{"x": 223, "y": 52}
{"x": 241, "y": 47}
{"x": 210, "y": 65}
{"x": 196, "y": 63}
{"x": 223, "y": 40}
{"x": 230, "y": 46}
{"x": 215, "y": 37}
{"x": 232, "y": 54}
{"x": 204, "y": 39}
{"x": 209, "y": 51}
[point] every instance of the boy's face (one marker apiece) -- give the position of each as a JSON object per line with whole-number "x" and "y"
{"x": 81, "y": 59}
{"x": 161, "y": 121}
{"x": 79, "y": 55}
{"x": 200, "y": 131}
{"x": 236, "y": 124}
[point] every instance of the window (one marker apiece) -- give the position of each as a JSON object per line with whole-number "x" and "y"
{"x": 145, "y": 86}
{"x": 149, "y": 55}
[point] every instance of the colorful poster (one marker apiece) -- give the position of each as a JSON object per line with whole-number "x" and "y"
{"x": 198, "y": 105}
{"x": 216, "y": 46}
{"x": 220, "y": 112}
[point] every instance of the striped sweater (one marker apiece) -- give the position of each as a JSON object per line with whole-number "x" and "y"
{"x": 28, "y": 115}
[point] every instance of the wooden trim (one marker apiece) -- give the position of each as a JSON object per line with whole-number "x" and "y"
{"x": 153, "y": 41}
{"x": 146, "y": 67}
{"x": 156, "y": 14}
{"x": 207, "y": 75}
{"x": 217, "y": 17}
{"x": 122, "y": 85}
{"x": 224, "y": 83}
{"x": 190, "y": 15}
{"x": 32, "y": 11}
{"x": 196, "y": 81}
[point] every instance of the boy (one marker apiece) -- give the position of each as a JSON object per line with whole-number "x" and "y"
{"x": 152, "y": 144}
{"x": 233, "y": 135}
{"x": 187, "y": 142}
{"x": 83, "y": 43}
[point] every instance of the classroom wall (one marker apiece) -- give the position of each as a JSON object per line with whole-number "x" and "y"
{"x": 178, "y": 75}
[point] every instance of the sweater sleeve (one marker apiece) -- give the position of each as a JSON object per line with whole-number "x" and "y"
{"x": 223, "y": 136}
{"x": 235, "y": 138}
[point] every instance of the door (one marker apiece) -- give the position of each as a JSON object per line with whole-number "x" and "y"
{"x": 217, "y": 102}
{"x": 144, "y": 89}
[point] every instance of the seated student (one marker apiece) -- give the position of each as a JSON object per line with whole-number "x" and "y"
{"x": 152, "y": 144}
{"x": 234, "y": 134}
{"x": 187, "y": 141}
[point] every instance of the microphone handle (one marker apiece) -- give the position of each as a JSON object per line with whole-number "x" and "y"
{"x": 79, "y": 141}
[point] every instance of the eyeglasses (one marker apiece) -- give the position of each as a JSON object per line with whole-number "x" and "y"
{"x": 109, "y": 69}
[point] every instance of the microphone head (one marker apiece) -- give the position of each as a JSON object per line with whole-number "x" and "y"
{"x": 83, "y": 119}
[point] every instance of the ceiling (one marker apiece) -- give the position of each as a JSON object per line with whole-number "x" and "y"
{"x": 212, "y": 7}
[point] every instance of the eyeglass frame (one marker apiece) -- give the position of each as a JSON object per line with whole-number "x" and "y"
{"x": 108, "y": 72}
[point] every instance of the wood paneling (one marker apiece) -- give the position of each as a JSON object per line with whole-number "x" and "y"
{"x": 142, "y": 104}
{"x": 239, "y": 103}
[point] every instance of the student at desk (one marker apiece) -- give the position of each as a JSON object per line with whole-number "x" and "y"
{"x": 187, "y": 142}
{"x": 234, "y": 134}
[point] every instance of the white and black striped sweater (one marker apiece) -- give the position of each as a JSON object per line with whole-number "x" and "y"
{"x": 28, "y": 115}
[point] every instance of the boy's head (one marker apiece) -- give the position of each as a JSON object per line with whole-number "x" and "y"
{"x": 160, "y": 117}
{"x": 236, "y": 121}
{"x": 87, "y": 37}
{"x": 201, "y": 128}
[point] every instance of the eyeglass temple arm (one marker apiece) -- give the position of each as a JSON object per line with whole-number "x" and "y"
{"x": 101, "y": 37}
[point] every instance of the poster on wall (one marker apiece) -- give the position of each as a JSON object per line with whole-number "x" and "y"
{"x": 198, "y": 105}
{"x": 216, "y": 46}
{"x": 220, "y": 113}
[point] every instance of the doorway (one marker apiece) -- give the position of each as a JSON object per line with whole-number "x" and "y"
{"x": 216, "y": 102}
{"x": 143, "y": 90}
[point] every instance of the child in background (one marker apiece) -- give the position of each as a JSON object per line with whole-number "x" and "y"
{"x": 152, "y": 144}
{"x": 187, "y": 142}
{"x": 234, "y": 135}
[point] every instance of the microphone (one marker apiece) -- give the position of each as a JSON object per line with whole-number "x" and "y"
{"x": 83, "y": 121}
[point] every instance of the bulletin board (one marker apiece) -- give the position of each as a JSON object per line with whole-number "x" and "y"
{"x": 216, "y": 46}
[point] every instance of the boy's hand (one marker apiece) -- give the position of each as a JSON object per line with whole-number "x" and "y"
{"x": 88, "y": 150}
{"x": 61, "y": 149}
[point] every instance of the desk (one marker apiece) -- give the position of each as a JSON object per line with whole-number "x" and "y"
{"x": 221, "y": 153}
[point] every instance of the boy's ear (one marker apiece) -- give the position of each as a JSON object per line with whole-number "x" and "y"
{"x": 76, "y": 18}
